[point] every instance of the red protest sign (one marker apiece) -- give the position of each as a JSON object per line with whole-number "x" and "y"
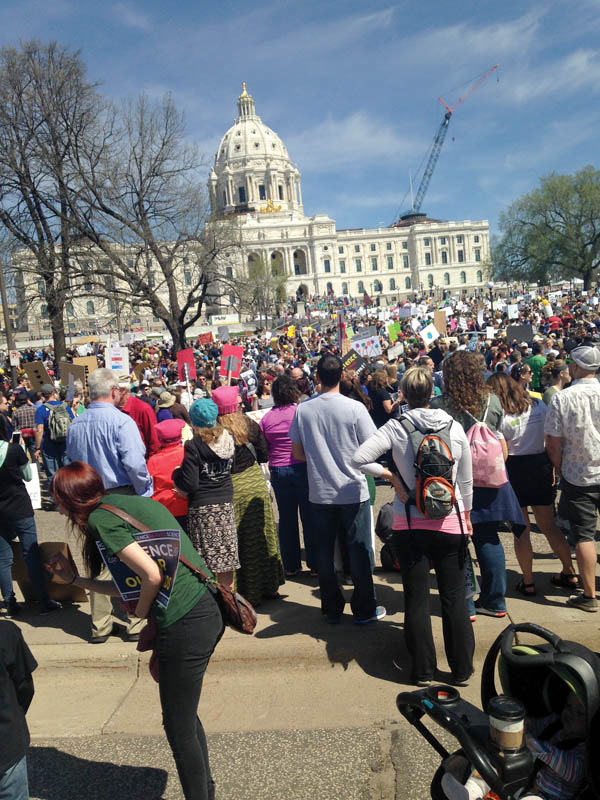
{"x": 231, "y": 360}
{"x": 186, "y": 357}
{"x": 205, "y": 338}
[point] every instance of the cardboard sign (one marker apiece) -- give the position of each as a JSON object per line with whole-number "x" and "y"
{"x": 223, "y": 333}
{"x": 70, "y": 372}
{"x": 162, "y": 547}
{"x": 37, "y": 374}
{"x": 353, "y": 360}
{"x": 89, "y": 362}
{"x": 205, "y": 338}
{"x": 522, "y": 333}
{"x": 14, "y": 358}
{"x": 186, "y": 357}
{"x": 346, "y": 346}
{"x": 440, "y": 320}
{"x": 138, "y": 370}
{"x": 231, "y": 360}
{"x": 250, "y": 381}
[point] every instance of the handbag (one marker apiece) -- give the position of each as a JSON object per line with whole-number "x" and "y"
{"x": 237, "y": 612}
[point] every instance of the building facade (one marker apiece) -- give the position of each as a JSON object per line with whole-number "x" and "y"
{"x": 254, "y": 180}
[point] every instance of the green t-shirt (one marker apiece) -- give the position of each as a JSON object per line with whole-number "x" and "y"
{"x": 536, "y": 363}
{"x": 116, "y": 534}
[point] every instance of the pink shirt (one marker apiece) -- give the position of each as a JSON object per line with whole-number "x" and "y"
{"x": 275, "y": 425}
{"x": 449, "y": 524}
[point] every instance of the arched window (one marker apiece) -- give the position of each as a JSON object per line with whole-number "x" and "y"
{"x": 344, "y": 288}
{"x": 361, "y": 287}
{"x": 463, "y": 277}
{"x": 329, "y": 287}
{"x": 407, "y": 283}
{"x": 392, "y": 285}
{"x": 430, "y": 280}
{"x": 44, "y": 310}
{"x": 479, "y": 276}
{"x": 111, "y": 307}
{"x": 70, "y": 310}
{"x": 446, "y": 279}
{"x": 377, "y": 286}
{"x": 90, "y": 307}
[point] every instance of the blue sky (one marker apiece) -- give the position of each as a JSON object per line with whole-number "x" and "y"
{"x": 352, "y": 88}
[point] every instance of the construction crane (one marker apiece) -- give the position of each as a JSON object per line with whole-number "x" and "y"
{"x": 436, "y": 147}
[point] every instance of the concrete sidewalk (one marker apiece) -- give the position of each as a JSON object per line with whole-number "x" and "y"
{"x": 297, "y": 685}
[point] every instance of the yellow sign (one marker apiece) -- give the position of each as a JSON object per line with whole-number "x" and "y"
{"x": 291, "y": 332}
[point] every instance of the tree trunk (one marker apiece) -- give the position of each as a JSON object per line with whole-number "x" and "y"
{"x": 58, "y": 335}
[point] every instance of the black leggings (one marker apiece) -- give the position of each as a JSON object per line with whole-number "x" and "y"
{"x": 184, "y": 650}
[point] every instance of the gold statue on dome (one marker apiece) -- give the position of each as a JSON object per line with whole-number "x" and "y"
{"x": 244, "y": 92}
{"x": 270, "y": 208}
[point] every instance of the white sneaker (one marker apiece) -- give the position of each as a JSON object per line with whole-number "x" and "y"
{"x": 380, "y": 613}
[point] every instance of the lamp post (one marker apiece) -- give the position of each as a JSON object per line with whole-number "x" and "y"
{"x": 491, "y": 287}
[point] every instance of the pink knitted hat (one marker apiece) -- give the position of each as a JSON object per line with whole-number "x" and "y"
{"x": 226, "y": 398}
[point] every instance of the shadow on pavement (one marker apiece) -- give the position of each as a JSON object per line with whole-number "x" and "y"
{"x": 54, "y": 775}
{"x": 69, "y": 619}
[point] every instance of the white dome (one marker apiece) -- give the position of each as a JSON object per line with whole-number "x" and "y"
{"x": 252, "y": 157}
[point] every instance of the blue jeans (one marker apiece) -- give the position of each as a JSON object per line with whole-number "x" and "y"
{"x": 25, "y": 530}
{"x": 13, "y": 783}
{"x": 353, "y": 523}
{"x": 290, "y": 485}
{"x": 53, "y": 463}
{"x": 492, "y": 565}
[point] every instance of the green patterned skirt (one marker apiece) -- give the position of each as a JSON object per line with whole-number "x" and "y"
{"x": 261, "y": 573}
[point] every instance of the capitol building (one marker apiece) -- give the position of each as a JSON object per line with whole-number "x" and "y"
{"x": 254, "y": 180}
{"x": 255, "y": 187}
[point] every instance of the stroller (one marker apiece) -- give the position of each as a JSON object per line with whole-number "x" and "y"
{"x": 540, "y": 676}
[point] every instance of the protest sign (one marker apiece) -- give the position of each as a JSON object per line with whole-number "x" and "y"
{"x": 205, "y": 338}
{"x": 353, "y": 360}
{"x": 14, "y": 358}
{"x": 223, "y": 333}
{"x": 395, "y": 351}
{"x": 90, "y": 363}
{"x": 440, "y": 321}
{"x": 547, "y": 309}
{"x": 73, "y": 372}
{"x": 368, "y": 347}
{"x": 116, "y": 357}
{"x": 415, "y": 324}
{"x": 512, "y": 311}
{"x": 231, "y": 360}
{"x": 162, "y": 547}
{"x": 186, "y": 357}
{"x": 449, "y": 311}
{"x": 490, "y": 333}
{"x": 462, "y": 322}
{"x": 429, "y": 333}
{"x": 480, "y": 318}
{"x": 138, "y": 370}
{"x": 33, "y": 487}
{"x": 128, "y": 338}
{"x": 520, "y": 333}
{"x": 250, "y": 381}
{"x": 394, "y": 330}
{"x": 346, "y": 346}
{"x": 405, "y": 312}
{"x": 300, "y": 310}
{"x": 37, "y": 374}
{"x": 472, "y": 344}
{"x": 258, "y": 414}
{"x": 365, "y": 333}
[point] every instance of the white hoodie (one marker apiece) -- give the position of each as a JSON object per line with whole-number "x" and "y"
{"x": 392, "y": 435}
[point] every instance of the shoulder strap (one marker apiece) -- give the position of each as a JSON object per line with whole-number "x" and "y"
{"x": 141, "y": 526}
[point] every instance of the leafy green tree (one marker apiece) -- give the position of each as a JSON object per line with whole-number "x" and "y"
{"x": 552, "y": 233}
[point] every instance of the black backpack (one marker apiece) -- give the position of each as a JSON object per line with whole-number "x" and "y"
{"x": 434, "y": 493}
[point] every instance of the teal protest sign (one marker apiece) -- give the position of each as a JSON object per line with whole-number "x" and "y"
{"x": 163, "y": 547}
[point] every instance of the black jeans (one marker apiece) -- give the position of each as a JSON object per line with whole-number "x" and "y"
{"x": 184, "y": 650}
{"x": 415, "y": 550}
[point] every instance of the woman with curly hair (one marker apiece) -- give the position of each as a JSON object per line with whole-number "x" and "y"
{"x": 467, "y": 399}
{"x": 554, "y": 376}
{"x": 532, "y": 477}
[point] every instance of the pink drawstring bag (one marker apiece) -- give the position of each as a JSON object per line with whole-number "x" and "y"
{"x": 489, "y": 470}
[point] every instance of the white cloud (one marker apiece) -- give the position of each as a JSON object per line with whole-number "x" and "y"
{"x": 132, "y": 17}
{"x": 354, "y": 141}
{"x": 568, "y": 75}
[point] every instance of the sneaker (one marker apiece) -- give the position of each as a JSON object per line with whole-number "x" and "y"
{"x": 380, "y": 613}
{"x": 13, "y": 608}
{"x": 49, "y": 606}
{"x": 487, "y": 612}
{"x": 423, "y": 683}
{"x": 583, "y": 602}
{"x": 461, "y": 681}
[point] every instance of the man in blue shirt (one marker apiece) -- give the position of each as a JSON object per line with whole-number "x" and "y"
{"x": 53, "y": 452}
{"x": 109, "y": 440}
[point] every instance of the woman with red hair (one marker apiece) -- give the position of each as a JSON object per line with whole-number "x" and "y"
{"x": 187, "y": 630}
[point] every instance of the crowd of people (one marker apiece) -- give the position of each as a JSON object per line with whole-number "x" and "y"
{"x": 502, "y": 422}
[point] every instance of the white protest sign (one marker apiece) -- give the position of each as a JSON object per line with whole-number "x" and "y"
{"x": 405, "y": 312}
{"x": 33, "y": 487}
{"x": 14, "y": 357}
{"x": 117, "y": 358}
{"x": 548, "y": 312}
{"x": 128, "y": 338}
{"x": 368, "y": 346}
{"x": 429, "y": 333}
{"x": 449, "y": 311}
{"x": 513, "y": 311}
{"x": 395, "y": 351}
{"x": 415, "y": 324}
{"x": 490, "y": 333}
{"x": 480, "y": 318}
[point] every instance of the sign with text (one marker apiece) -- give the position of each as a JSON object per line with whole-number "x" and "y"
{"x": 162, "y": 547}
{"x": 205, "y": 338}
{"x": 231, "y": 360}
{"x": 250, "y": 381}
{"x": 116, "y": 357}
{"x": 14, "y": 357}
{"x": 186, "y": 357}
{"x": 353, "y": 360}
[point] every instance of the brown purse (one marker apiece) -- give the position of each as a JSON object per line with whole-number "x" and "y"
{"x": 237, "y": 612}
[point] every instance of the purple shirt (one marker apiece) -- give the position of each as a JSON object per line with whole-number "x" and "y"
{"x": 275, "y": 425}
